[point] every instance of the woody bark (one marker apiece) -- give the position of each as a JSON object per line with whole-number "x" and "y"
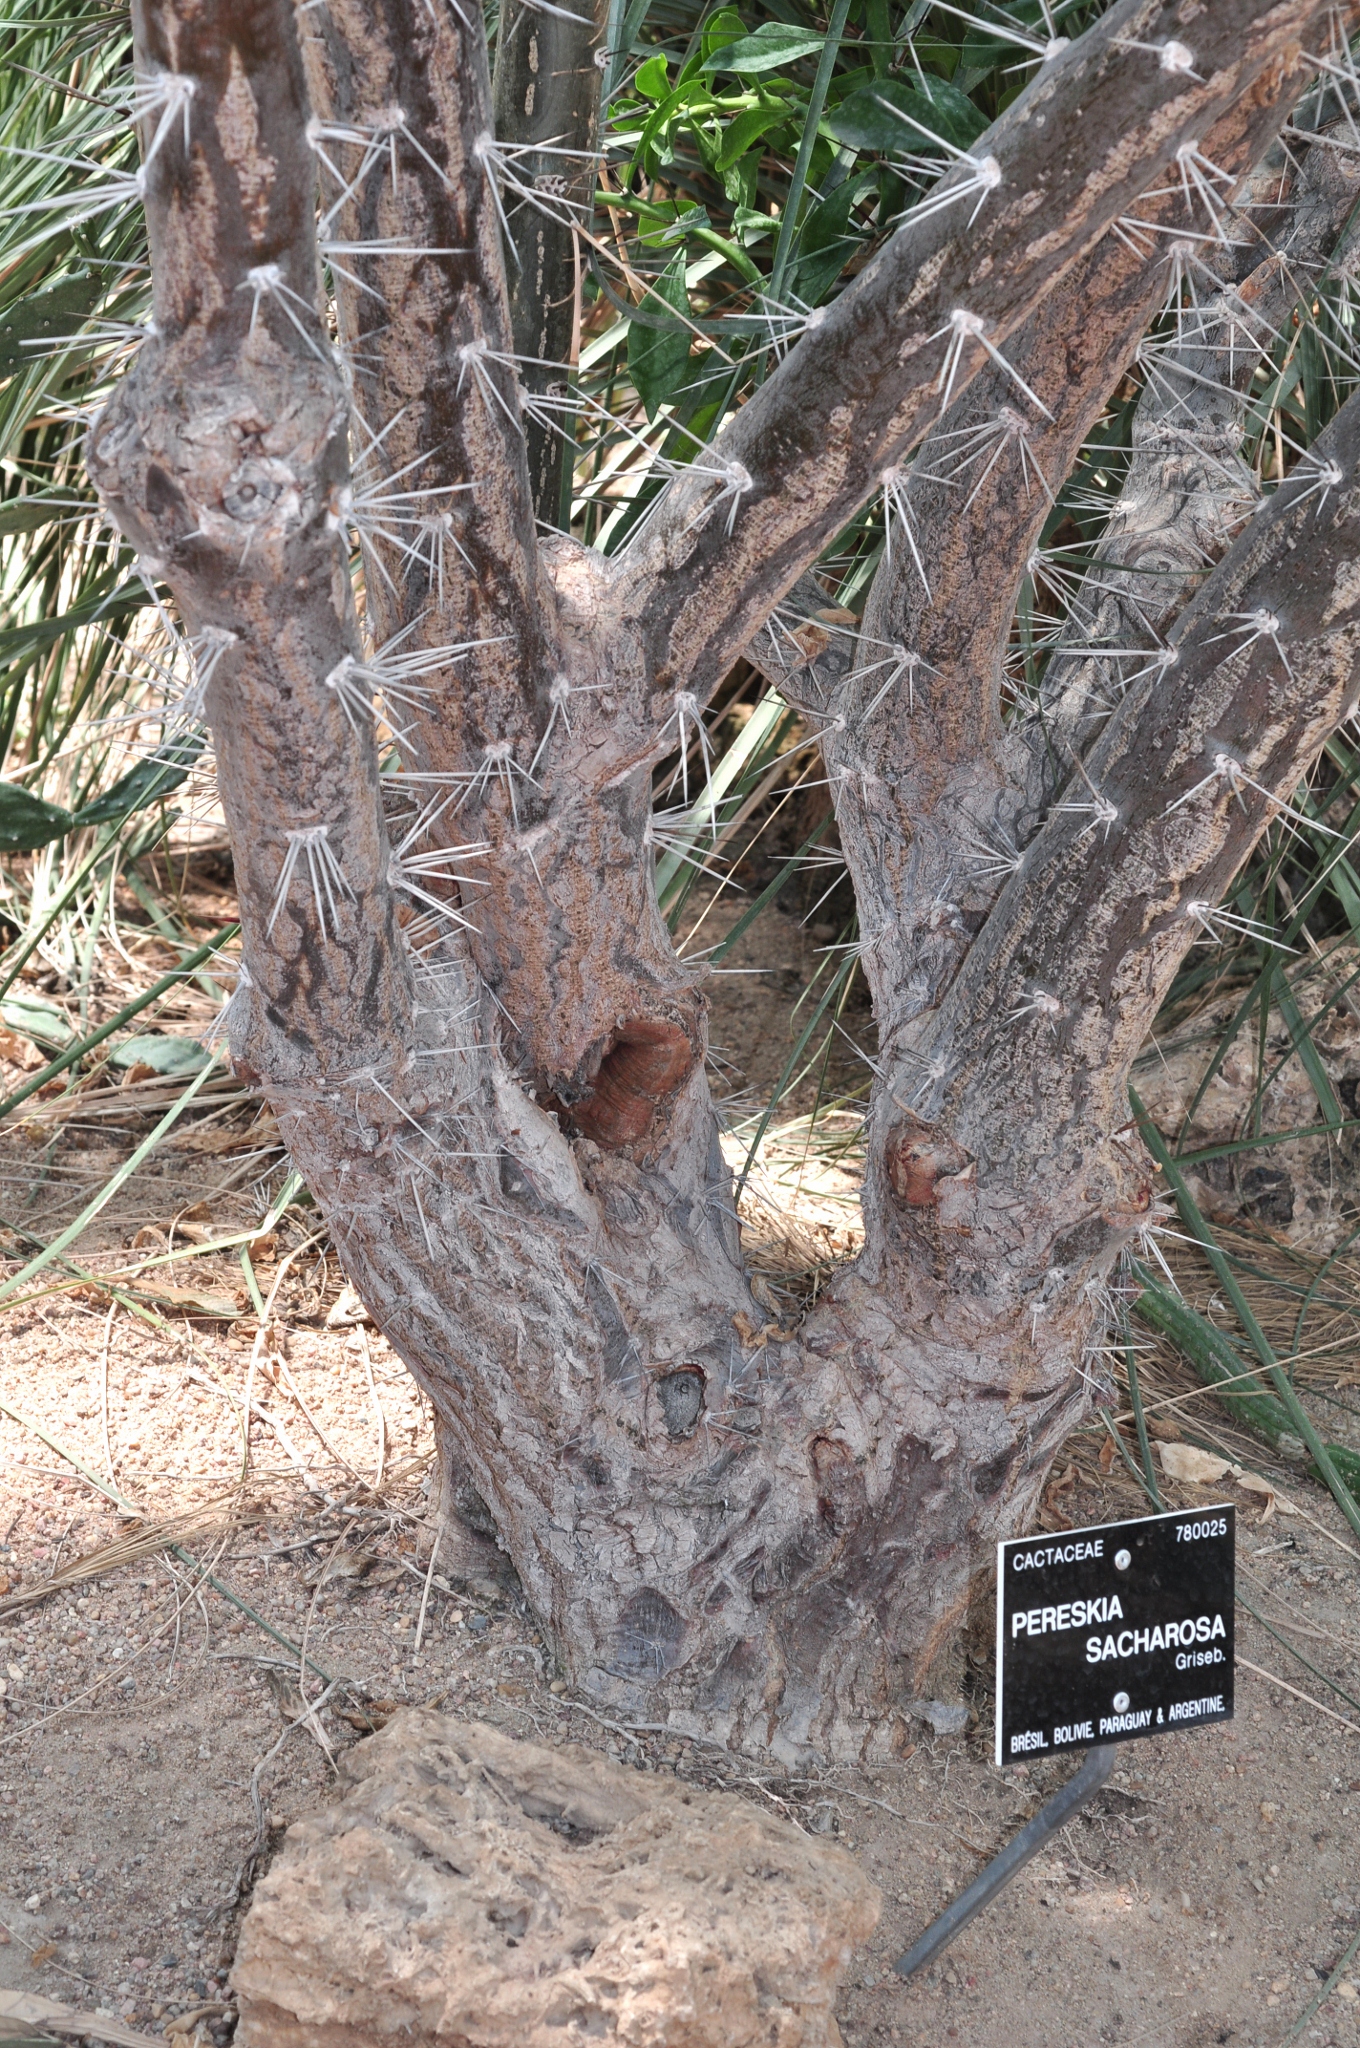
{"x": 499, "y": 1101}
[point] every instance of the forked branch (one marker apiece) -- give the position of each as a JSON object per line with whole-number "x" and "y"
{"x": 1027, "y": 1059}
{"x": 924, "y": 721}
{"x": 1061, "y": 165}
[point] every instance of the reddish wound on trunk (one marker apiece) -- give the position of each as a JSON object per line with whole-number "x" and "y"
{"x": 918, "y": 1158}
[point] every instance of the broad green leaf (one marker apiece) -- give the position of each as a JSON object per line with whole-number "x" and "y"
{"x": 827, "y": 241}
{"x": 726, "y": 26}
{"x": 903, "y": 119}
{"x": 165, "y": 770}
{"x": 662, "y": 233}
{"x": 691, "y": 96}
{"x": 163, "y": 1055}
{"x": 27, "y": 821}
{"x": 653, "y": 78}
{"x": 658, "y": 357}
{"x": 750, "y": 224}
{"x": 31, "y": 323}
{"x": 774, "y": 43}
{"x": 741, "y": 180}
{"x": 748, "y": 129}
{"x": 42, "y": 1022}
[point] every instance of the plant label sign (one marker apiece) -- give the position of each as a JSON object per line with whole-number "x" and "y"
{"x": 1114, "y": 1632}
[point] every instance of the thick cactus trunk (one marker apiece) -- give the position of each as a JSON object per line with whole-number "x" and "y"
{"x": 461, "y": 1000}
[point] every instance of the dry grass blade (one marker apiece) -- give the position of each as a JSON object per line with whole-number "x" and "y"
{"x": 125, "y": 1550}
{"x": 26, "y": 2016}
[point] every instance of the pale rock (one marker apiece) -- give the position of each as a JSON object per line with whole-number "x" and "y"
{"x": 472, "y": 1891}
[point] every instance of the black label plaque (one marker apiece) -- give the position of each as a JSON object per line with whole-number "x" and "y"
{"x": 1106, "y": 1634}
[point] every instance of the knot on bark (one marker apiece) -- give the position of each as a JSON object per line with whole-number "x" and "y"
{"x": 918, "y": 1158}
{"x": 648, "y": 1636}
{"x": 681, "y": 1394}
{"x": 193, "y": 459}
{"x": 645, "y": 1061}
{"x": 839, "y": 1482}
{"x": 1084, "y": 1243}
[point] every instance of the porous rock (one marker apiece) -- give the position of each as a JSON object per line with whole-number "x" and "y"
{"x": 473, "y": 1891}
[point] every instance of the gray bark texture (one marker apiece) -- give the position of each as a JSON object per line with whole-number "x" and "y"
{"x": 461, "y": 999}
{"x": 546, "y": 92}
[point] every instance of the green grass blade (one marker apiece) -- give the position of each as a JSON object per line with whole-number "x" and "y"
{"x": 1139, "y": 1419}
{"x": 110, "y": 1188}
{"x": 1348, "y": 1502}
{"x": 77, "y": 1052}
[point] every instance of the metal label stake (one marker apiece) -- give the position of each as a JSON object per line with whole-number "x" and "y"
{"x": 1115, "y": 1632}
{"x": 999, "y": 1872}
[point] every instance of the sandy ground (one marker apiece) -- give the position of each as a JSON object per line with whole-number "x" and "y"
{"x": 1204, "y": 1899}
{"x": 159, "y": 1717}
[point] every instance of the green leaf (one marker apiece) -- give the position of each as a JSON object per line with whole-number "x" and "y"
{"x": 39, "y": 318}
{"x": 748, "y": 129}
{"x": 1309, "y": 1057}
{"x": 37, "y": 509}
{"x": 691, "y": 96}
{"x": 901, "y": 118}
{"x": 726, "y": 26}
{"x": 750, "y": 225}
{"x": 19, "y": 643}
{"x": 653, "y": 78}
{"x": 44, "y": 1023}
{"x": 27, "y": 821}
{"x": 981, "y": 51}
{"x": 659, "y": 233}
{"x": 827, "y": 241}
{"x": 164, "y": 771}
{"x": 774, "y": 43}
{"x": 162, "y": 1054}
{"x": 741, "y": 180}
{"x": 658, "y": 357}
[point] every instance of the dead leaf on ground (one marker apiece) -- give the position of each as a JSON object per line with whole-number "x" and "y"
{"x": 347, "y": 1311}
{"x": 1253, "y": 1482}
{"x": 1053, "y": 1516}
{"x": 21, "y": 1052}
{"x": 185, "y": 2022}
{"x": 346, "y": 1564}
{"x": 32, "y": 2009}
{"x": 1188, "y": 1462}
{"x": 368, "y": 1720}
